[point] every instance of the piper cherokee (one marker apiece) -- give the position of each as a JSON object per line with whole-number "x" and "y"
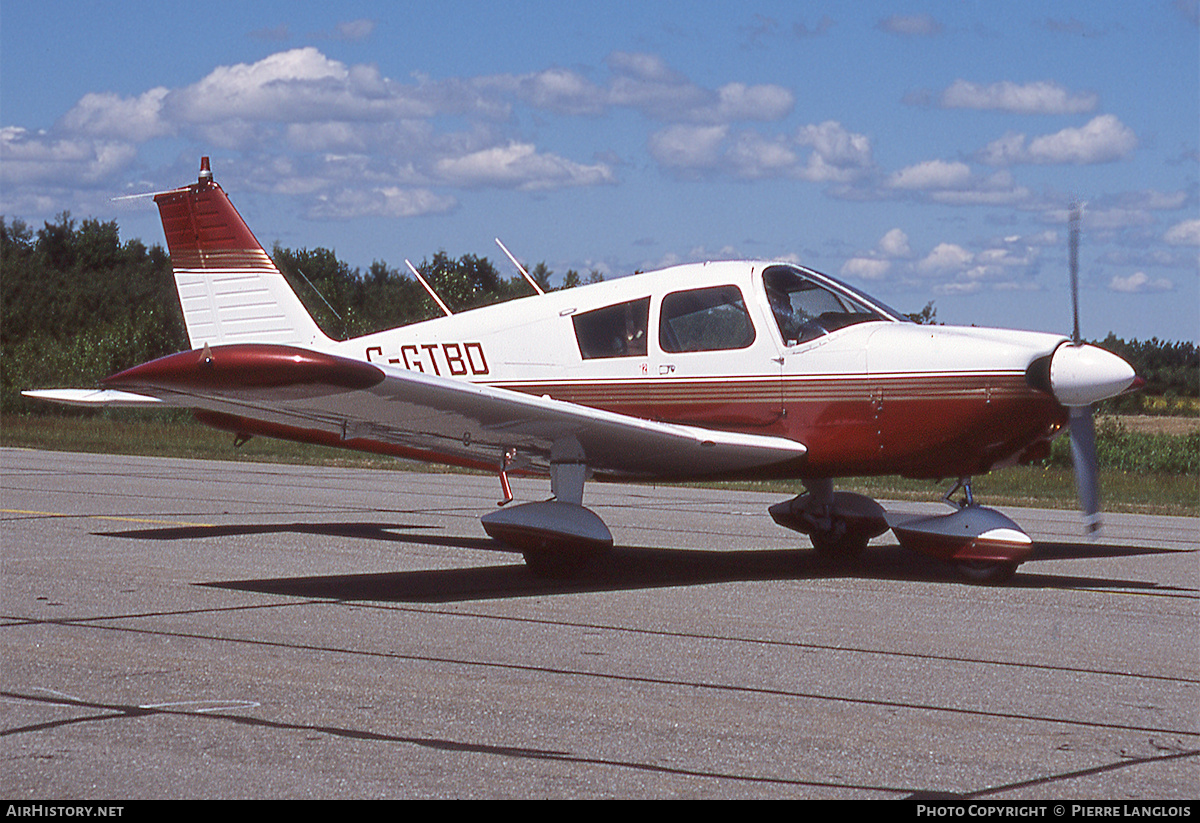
{"x": 707, "y": 371}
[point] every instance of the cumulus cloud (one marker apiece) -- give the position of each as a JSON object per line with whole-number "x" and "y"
{"x": 519, "y": 165}
{"x": 1139, "y": 282}
{"x": 837, "y": 154}
{"x": 300, "y": 102}
{"x": 999, "y": 266}
{"x": 895, "y": 244}
{"x": 945, "y": 257}
{"x": 134, "y": 119}
{"x": 1103, "y": 140}
{"x": 299, "y": 85}
{"x": 865, "y": 268}
{"x": 389, "y": 201}
{"x": 688, "y": 148}
{"x": 931, "y": 174}
{"x": 821, "y": 153}
{"x": 646, "y": 83}
{"x": 878, "y": 264}
{"x": 953, "y": 183}
{"x": 36, "y": 158}
{"x": 1185, "y": 233}
{"x": 1042, "y": 97}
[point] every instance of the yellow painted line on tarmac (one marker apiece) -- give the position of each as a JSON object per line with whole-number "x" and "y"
{"x": 109, "y": 517}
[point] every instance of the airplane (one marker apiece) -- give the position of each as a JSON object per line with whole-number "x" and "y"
{"x": 707, "y": 371}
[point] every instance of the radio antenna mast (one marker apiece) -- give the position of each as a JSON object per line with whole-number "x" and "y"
{"x": 520, "y": 268}
{"x": 428, "y": 288}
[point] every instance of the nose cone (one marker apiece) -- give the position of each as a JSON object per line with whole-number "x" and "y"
{"x": 1081, "y": 375}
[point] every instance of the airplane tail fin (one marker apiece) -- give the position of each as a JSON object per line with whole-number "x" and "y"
{"x": 229, "y": 288}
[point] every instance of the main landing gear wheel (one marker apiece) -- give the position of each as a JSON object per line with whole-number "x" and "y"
{"x": 557, "y": 539}
{"x": 839, "y": 547}
{"x": 987, "y": 572}
{"x": 839, "y": 524}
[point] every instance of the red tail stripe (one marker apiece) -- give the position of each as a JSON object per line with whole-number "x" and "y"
{"x": 201, "y": 218}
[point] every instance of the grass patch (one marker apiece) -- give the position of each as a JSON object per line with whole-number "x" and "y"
{"x": 177, "y": 435}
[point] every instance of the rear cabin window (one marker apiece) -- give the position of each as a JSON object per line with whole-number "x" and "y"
{"x": 711, "y": 319}
{"x": 614, "y": 331}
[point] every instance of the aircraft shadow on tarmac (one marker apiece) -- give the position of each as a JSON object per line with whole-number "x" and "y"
{"x": 627, "y": 567}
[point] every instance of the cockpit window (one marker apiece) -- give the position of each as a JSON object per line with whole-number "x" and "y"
{"x": 805, "y": 309}
{"x": 709, "y": 319}
{"x": 614, "y": 331}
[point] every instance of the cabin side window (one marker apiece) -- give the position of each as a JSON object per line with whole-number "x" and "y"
{"x": 804, "y": 309}
{"x": 614, "y": 331}
{"x": 710, "y": 319}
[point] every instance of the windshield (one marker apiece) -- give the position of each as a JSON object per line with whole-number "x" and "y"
{"x": 805, "y": 309}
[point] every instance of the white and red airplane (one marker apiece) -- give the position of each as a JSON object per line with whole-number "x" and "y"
{"x": 740, "y": 369}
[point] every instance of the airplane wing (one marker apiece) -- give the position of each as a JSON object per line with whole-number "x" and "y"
{"x": 310, "y": 395}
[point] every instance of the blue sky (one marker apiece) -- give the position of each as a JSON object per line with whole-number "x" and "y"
{"x": 921, "y": 151}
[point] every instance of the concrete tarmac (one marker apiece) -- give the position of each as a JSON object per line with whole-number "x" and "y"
{"x": 192, "y": 629}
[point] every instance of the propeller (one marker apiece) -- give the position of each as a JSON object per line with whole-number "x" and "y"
{"x": 1083, "y": 427}
{"x": 1079, "y": 375}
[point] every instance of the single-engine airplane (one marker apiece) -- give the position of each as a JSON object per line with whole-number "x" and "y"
{"x": 719, "y": 370}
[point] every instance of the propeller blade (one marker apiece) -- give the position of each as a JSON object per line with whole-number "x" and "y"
{"x": 1073, "y": 239}
{"x": 1087, "y": 471}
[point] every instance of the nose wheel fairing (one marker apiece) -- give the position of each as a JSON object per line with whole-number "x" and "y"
{"x": 973, "y": 534}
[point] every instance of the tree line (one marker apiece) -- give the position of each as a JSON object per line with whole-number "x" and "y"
{"x": 78, "y": 304}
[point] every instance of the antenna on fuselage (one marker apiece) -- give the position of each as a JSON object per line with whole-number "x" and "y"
{"x": 428, "y": 288}
{"x": 520, "y": 268}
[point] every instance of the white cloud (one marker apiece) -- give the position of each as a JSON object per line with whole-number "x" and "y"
{"x": 1103, "y": 140}
{"x": 895, "y": 244}
{"x": 299, "y": 85}
{"x": 134, "y": 119}
{"x": 1031, "y": 98}
{"x": 865, "y": 268}
{"x": 1139, "y": 282}
{"x": 27, "y": 158}
{"x": 688, "y": 147}
{"x": 563, "y": 91}
{"x": 834, "y": 154}
{"x": 390, "y": 201}
{"x": 737, "y": 101}
{"x": 1003, "y": 265}
{"x": 837, "y": 154}
{"x": 1186, "y": 233}
{"x": 931, "y": 174}
{"x": 754, "y": 156}
{"x": 945, "y": 258}
{"x": 519, "y": 165}
{"x": 644, "y": 82}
